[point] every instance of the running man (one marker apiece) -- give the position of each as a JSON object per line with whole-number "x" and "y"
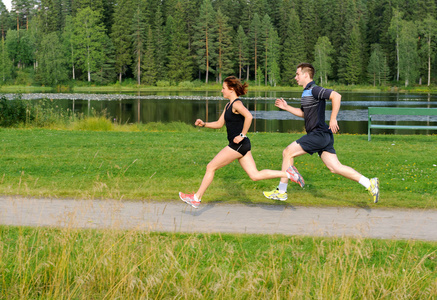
{"x": 319, "y": 138}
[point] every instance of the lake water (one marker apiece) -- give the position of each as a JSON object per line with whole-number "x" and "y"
{"x": 186, "y": 107}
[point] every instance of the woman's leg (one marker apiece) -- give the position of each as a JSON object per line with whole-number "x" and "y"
{"x": 248, "y": 164}
{"x": 223, "y": 158}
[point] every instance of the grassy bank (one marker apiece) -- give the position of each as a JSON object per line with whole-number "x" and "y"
{"x": 39, "y": 263}
{"x": 156, "y": 161}
{"x": 83, "y": 87}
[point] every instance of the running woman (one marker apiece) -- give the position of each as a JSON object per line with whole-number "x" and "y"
{"x": 319, "y": 138}
{"x": 237, "y": 119}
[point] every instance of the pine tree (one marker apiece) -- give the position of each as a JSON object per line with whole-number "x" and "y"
{"x": 50, "y": 16}
{"x": 160, "y": 44}
{"x": 138, "y": 38}
{"x": 68, "y": 44}
{"x": 205, "y": 37}
{"x": 224, "y": 46}
{"x": 323, "y": 51}
{"x": 149, "y": 74}
{"x": 293, "y": 51}
{"x": 4, "y": 19}
{"x": 273, "y": 71}
{"x": 255, "y": 42}
{"x": 242, "y": 49}
{"x": 121, "y": 36}
{"x": 24, "y": 11}
{"x": 375, "y": 67}
{"x": 179, "y": 65}
{"x": 354, "y": 58}
{"x": 266, "y": 26}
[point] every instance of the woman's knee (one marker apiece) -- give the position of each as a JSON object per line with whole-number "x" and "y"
{"x": 211, "y": 167}
{"x": 255, "y": 176}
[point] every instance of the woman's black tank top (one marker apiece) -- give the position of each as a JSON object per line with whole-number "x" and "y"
{"x": 234, "y": 122}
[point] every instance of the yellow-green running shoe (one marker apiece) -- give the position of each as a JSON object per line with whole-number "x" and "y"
{"x": 374, "y": 189}
{"x": 276, "y": 195}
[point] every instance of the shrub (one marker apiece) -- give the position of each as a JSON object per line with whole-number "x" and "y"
{"x": 13, "y": 112}
{"x": 186, "y": 85}
{"x": 163, "y": 83}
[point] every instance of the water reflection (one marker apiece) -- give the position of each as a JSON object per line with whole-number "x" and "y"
{"x": 187, "y": 106}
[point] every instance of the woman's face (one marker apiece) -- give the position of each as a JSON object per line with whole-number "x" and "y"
{"x": 226, "y": 91}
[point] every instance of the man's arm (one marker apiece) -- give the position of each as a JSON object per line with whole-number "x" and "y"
{"x": 282, "y": 104}
{"x": 336, "y": 102}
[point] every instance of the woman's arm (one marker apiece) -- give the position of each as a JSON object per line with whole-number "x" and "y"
{"x": 216, "y": 125}
{"x": 242, "y": 110}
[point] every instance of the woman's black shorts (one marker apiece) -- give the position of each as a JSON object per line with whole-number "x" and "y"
{"x": 243, "y": 147}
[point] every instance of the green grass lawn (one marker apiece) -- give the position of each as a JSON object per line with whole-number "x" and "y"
{"x": 156, "y": 165}
{"x": 155, "y": 162}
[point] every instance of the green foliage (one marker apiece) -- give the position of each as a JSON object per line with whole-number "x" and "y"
{"x": 293, "y": 49}
{"x": 121, "y": 36}
{"x": 323, "y": 59}
{"x": 204, "y": 37}
{"x": 88, "y": 38}
{"x": 192, "y": 39}
{"x": 377, "y": 68}
{"x": 179, "y": 61}
{"x": 242, "y": 50}
{"x": 13, "y": 112}
{"x": 5, "y": 62}
{"x": 225, "y": 50}
{"x": 408, "y": 56}
{"x": 51, "y": 61}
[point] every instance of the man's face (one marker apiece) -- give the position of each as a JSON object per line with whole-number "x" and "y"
{"x": 300, "y": 77}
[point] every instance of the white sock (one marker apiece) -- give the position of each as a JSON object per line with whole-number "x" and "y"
{"x": 195, "y": 198}
{"x": 282, "y": 187}
{"x": 364, "y": 181}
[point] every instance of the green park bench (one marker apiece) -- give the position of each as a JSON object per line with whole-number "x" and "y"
{"x": 400, "y": 111}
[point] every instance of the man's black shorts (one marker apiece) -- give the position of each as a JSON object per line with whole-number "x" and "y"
{"x": 317, "y": 141}
{"x": 243, "y": 147}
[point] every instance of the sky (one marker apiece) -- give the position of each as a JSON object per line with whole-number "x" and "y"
{"x": 7, "y": 3}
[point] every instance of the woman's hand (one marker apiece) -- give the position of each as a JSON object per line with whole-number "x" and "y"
{"x": 199, "y": 122}
{"x": 238, "y": 139}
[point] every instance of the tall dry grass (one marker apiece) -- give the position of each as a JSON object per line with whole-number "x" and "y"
{"x": 49, "y": 263}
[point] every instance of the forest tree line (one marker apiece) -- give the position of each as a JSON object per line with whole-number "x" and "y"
{"x": 153, "y": 42}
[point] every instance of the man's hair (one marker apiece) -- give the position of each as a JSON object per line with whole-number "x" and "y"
{"x": 307, "y": 68}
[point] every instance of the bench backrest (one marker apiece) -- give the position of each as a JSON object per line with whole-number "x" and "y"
{"x": 402, "y": 111}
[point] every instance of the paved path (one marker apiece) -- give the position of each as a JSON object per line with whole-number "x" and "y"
{"x": 226, "y": 218}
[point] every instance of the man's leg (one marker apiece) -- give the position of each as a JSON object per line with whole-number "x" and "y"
{"x": 334, "y": 165}
{"x": 293, "y": 150}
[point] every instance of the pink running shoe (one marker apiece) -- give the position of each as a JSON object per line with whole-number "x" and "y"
{"x": 294, "y": 176}
{"x": 189, "y": 199}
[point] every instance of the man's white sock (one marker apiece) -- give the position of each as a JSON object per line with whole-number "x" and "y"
{"x": 282, "y": 187}
{"x": 364, "y": 181}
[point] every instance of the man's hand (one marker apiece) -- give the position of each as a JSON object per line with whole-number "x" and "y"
{"x": 333, "y": 125}
{"x": 281, "y": 103}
